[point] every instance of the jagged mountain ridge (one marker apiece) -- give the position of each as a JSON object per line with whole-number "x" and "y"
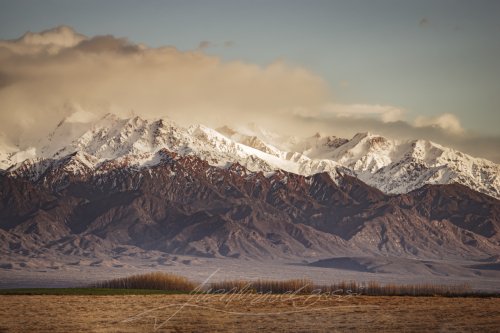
{"x": 393, "y": 166}
{"x": 101, "y": 185}
{"x": 390, "y": 165}
{"x": 134, "y": 141}
{"x": 184, "y": 205}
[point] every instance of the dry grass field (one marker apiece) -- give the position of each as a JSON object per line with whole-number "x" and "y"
{"x": 247, "y": 313}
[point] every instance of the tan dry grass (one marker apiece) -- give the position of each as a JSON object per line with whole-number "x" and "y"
{"x": 217, "y": 313}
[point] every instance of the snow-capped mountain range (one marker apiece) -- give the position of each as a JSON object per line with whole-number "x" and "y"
{"x": 392, "y": 166}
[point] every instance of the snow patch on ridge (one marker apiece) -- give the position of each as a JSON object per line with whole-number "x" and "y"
{"x": 393, "y": 166}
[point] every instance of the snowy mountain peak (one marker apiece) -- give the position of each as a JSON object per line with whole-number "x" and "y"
{"x": 86, "y": 143}
{"x": 399, "y": 166}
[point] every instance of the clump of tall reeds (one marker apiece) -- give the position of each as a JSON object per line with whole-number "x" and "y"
{"x": 172, "y": 282}
{"x": 423, "y": 289}
{"x": 155, "y": 280}
{"x": 305, "y": 286}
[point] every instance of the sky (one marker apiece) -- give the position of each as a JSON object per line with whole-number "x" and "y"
{"x": 427, "y": 69}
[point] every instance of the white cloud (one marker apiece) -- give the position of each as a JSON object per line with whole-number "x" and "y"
{"x": 63, "y": 36}
{"x": 385, "y": 113}
{"x": 49, "y": 41}
{"x": 445, "y": 121}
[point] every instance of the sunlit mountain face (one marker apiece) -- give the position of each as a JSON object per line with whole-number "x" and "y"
{"x": 100, "y": 184}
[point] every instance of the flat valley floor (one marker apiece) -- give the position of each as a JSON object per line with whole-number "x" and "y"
{"x": 247, "y": 313}
{"x": 78, "y": 272}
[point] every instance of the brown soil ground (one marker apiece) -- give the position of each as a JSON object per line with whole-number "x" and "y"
{"x": 249, "y": 313}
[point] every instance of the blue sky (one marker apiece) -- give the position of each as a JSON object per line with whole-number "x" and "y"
{"x": 426, "y": 57}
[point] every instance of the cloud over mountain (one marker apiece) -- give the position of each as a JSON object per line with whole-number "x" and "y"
{"x": 43, "y": 73}
{"x": 45, "y": 76}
